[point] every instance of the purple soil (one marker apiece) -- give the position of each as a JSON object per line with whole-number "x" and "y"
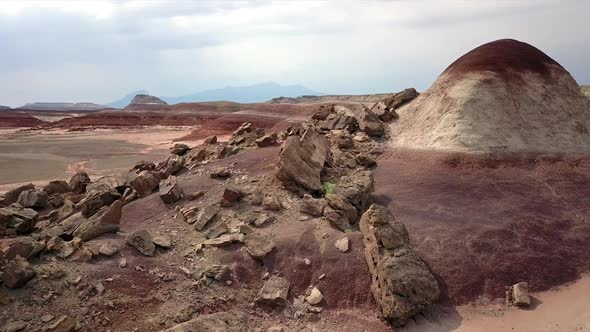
{"x": 484, "y": 223}
{"x": 506, "y": 57}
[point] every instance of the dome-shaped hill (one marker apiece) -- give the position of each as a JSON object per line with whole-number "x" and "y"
{"x": 147, "y": 103}
{"x": 502, "y": 96}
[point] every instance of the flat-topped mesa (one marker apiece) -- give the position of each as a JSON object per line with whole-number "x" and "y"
{"x": 143, "y": 101}
{"x": 504, "y": 96}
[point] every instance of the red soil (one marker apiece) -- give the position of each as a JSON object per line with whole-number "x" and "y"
{"x": 14, "y": 119}
{"x": 507, "y": 57}
{"x": 483, "y": 223}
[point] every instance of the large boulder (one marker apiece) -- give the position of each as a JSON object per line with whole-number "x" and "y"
{"x": 401, "y": 98}
{"x": 12, "y": 195}
{"x": 171, "y": 165}
{"x": 79, "y": 181}
{"x": 179, "y": 149}
{"x": 26, "y": 248}
{"x": 33, "y": 198}
{"x": 356, "y": 188}
{"x": 301, "y": 162}
{"x": 57, "y": 187}
{"x": 402, "y": 284}
{"x": 104, "y": 221}
{"x": 17, "y": 273}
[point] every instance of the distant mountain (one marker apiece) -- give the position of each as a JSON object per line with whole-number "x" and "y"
{"x": 245, "y": 94}
{"x": 143, "y": 102}
{"x": 121, "y": 103}
{"x": 44, "y": 106}
{"x": 3, "y": 108}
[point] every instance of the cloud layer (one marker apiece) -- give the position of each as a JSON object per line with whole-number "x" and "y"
{"x": 99, "y": 50}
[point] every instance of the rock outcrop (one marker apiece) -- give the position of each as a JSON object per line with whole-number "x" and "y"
{"x": 301, "y": 162}
{"x": 402, "y": 284}
{"x": 104, "y": 221}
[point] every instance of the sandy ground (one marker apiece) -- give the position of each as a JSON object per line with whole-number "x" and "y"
{"x": 40, "y": 156}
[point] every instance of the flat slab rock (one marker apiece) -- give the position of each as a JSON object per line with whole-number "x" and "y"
{"x": 258, "y": 245}
{"x": 229, "y": 321}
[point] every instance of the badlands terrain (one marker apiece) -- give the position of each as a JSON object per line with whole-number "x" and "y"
{"x": 463, "y": 208}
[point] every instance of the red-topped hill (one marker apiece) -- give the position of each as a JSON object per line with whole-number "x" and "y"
{"x": 505, "y": 57}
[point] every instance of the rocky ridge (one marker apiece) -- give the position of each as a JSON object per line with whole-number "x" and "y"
{"x": 55, "y": 232}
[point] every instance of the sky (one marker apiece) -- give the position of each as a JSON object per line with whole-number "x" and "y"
{"x": 98, "y": 51}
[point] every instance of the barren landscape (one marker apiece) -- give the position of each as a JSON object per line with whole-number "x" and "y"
{"x": 461, "y": 208}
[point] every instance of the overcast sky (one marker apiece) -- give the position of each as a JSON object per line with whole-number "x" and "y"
{"x": 100, "y": 50}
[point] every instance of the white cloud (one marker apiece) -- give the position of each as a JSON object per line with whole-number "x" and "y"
{"x": 172, "y": 48}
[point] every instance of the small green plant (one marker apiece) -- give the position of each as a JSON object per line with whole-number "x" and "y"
{"x": 329, "y": 187}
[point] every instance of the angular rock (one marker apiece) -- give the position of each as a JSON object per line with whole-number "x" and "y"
{"x": 16, "y": 219}
{"x": 263, "y": 220}
{"x": 229, "y": 321}
{"x": 162, "y": 241}
{"x": 337, "y": 219}
{"x": 210, "y": 140}
{"x": 101, "y": 193}
{"x": 26, "y": 248}
{"x": 217, "y": 230}
{"x": 365, "y": 160}
{"x": 519, "y": 295}
{"x": 171, "y": 165}
{"x": 104, "y": 221}
{"x": 142, "y": 241}
{"x": 356, "y": 188}
{"x": 57, "y": 187}
{"x": 79, "y": 181}
{"x": 402, "y": 284}
{"x": 369, "y": 122}
{"x": 144, "y": 166}
{"x": 315, "y": 297}
{"x": 312, "y": 206}
{"x": 205, "y": 216}
{"x": 108, "y": 249}
{"x": 224, "y": 240}
{"x": 383, "y": 113}
{"x": 169, "y": 190}
{"x": 63, "y": 324}
{"x": 266, "y": 140}
{"x": 33, "y": 198}
{"x": 17, "y": 273}
{"x": 12, "y": 195}
{"x": 274, "y": 292}
{"x": 258, "y": 245}
{"x": 301, "y": 161}
{"x": 179, "y": 149}
{"x": 56, "y": 200}
{"x": 343, "y": 244}
{"x": 15, "y": 326}
{"x": 401, "y": 98}
{"x": 231, "y": 196}
{"x": 342, "y": 139}
{"x": 341, "y": 203}
{"x": 220, "y": 173}
{"x": 244, "y": 128}
{"x": 271, "y": 202}
{"x": 145, "y": 183}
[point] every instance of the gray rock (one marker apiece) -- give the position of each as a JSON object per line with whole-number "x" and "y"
{"x": 33, "y": 198}
{"x": 220, "y": 173}
{"x": 301, "y": 161}
{"x": 224, "y": 240}
{"x": 142, "y": 241}
{"x": 312, "y": 206}
{"x": 271, "y": 202}
{"x": 402, "y": 285}
{"x": 274, "y": 292}
{"x": 343, "y": 244}
{"x": 258, "y": 245}
{"x": 12, "y": 195}
{"x": 205, "y": 215}
{"x": 108, "y": 249}
{"x": 162, "y": 241}
{"x": 172, "y": 165}
{"x": 266, "y": 140}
